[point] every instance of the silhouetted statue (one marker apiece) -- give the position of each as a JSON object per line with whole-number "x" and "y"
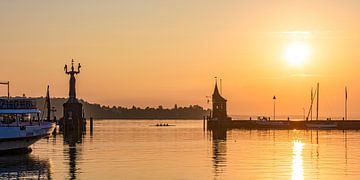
{"x": 73, "y": 119}
{"x": 72, "y": 89}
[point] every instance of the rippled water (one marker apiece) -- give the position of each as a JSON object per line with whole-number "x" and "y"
{"x": 120, "y": 149}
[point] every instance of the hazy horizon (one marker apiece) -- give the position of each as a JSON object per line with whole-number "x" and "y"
{"x": 150, "y": 53}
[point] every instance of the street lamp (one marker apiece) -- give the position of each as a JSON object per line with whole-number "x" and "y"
{"x": 274, "y": 98}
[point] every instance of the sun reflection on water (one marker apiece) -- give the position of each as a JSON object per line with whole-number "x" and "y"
{"x": 297, "y": 166}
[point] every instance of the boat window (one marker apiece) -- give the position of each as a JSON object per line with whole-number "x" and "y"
{"x": 7, "y": 119}
{"x": 26, "y": 117}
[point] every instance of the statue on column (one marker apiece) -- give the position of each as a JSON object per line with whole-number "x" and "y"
{"x": 73, "y": 119}
{"x": 72, "y": 89}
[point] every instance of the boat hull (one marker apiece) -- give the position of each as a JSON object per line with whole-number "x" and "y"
{"x": 18, "y": 144}
{"x": 20, "y": 140}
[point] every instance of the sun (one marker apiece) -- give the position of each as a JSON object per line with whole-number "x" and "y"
{"x": 297, "y": 53}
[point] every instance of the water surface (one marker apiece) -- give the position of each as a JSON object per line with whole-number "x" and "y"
{"x": 133, "y": 149}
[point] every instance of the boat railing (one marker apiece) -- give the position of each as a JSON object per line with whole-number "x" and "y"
{"x": 15, "y": 124}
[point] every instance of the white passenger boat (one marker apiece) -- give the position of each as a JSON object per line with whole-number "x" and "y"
{"x": 20, "y": 124}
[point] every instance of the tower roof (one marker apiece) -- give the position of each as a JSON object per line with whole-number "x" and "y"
{"x": 216, "y": 95}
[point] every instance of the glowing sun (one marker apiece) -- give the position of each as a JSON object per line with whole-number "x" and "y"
{"x": 297, "y": 53}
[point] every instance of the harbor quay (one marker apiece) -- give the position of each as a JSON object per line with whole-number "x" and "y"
{"x": 219, "y": 119}
{"x": 285, "y": 124}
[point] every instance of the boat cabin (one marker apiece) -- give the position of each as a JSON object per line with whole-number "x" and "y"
{"x": 18, "y": 111}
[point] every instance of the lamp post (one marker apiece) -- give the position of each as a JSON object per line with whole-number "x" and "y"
{"x": 274, "y": 98}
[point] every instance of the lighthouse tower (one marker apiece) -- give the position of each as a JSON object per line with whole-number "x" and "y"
{"x": 219, "y": 106}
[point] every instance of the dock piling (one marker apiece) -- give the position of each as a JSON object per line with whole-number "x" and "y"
{"x": 91, "y": 125}
{"x": 204, "y": 119}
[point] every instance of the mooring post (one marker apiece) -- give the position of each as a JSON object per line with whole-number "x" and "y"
{"x": 204, "y": 119}
{"x": 56, "y": 124}
{"x": 54, "y": 131}
{"x": 91, "y": 124}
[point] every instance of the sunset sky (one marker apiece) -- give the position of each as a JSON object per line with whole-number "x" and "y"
{"x": 157, "y": 52}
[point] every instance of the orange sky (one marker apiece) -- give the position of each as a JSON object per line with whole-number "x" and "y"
{"x": 152, "y": 52}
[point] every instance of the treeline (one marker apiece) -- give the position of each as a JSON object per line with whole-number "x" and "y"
{"x": 98, "y": 111}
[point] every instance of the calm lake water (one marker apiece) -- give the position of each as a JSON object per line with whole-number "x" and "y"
{"x": 124, "y": 149}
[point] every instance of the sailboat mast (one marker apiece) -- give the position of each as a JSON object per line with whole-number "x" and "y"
{"x": 310, "y": 112}
{"x": 311, "y": 107}
{"x": 346, "y": 103}
{"x": 48, "y": 104}
{"x": 220, "y": 86}
{"x": 317, "y": 101}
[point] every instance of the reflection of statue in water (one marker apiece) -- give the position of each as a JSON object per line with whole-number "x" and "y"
{"x": 73, "y": 139}
{"x": 72, "y": 162}
{"x": 219, "y": 149}
{"x": 24, "y": 167}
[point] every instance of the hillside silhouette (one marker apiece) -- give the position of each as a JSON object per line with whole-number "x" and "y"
{"x": 98, "y": 111}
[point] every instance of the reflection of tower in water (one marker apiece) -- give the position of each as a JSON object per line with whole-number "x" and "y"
{"x": 219, "y": 150}
{"x": 218, "y": 133}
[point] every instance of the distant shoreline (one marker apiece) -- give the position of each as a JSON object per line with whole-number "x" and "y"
{"x": 97, "y": 111}
{"x": 99, "y": 119}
